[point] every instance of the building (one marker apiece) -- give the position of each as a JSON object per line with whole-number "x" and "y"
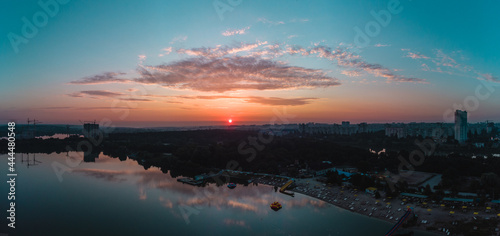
{"x": 460, "y": 126}
{"x": 490, "y": 126}
{"x": 399, "y": 132}
{"x": 90, "y": 130}
{"x": 363, "y": 127}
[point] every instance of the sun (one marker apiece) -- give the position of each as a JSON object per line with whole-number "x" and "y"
{"x": 230, "y": 121}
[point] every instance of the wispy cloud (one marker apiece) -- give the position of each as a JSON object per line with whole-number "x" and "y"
{"x": 95, "y": 93}
{"x": 275, "y": 101}
{"x": 345, "y": 58}
{"x": 416, "y": 55}
{"x": 165, "y": 51}
{"x": 231, "y": 32}
{"x": 103, "y": 93}
{"x": 220, "y": 51}
{"x": 271, "y": 101}
{"x": 84, "y": 108}
{"x": 488, "y": 77}
{"x": 269, "y": 22}
{"x": 105, "y": 108}
{"x": 351, "y": 73}
{"x": 136, "y": 99}
{"x": 107, "y": 77}
{"x": 425, "y": 67}
{"x": 451, "y": 64}
{"x": 179, "y": 39}
{"x": 381, "y": 45}
{"x": 55, "y": 108}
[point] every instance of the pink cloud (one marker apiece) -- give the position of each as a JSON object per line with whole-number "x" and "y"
{"x": 231, "y": 32}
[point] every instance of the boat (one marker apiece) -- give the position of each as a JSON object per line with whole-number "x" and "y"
{"x": 276, "y": 206}
{"x": 231, "y": 185}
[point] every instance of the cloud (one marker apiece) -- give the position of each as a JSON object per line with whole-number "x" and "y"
{"x": 105, "y": 93}
{"x": 220, "y": 51}
{"x": 95, "y": 94}
{"x": 425, "y": 67}
{"x": 166, "y": 51}
{"x": 345, "y": 58}
{"x": 381, "y": 45}
{"x": 106, "y": 108}
{"x": 272, "y": 101}
{"x": 488, "y": 77}
{"x": 231, "y": 32}
{"x": 451, "y": 64}
{"x": 141, "y": 58}
{"x": 86, "y": 108}
{"x": 207, "y": 97}
{"x": 107, "y": 77}
{"x": 102, "y": 93}
{"x": 221, "y": 74}
{"x": 75, "y": 95}
{"x": 55, "y": 108}
{"x": 351, "y": 73}
{"x": 252, "y": 66}
{"x": 179, "y": 39}
{"x": 268, "y": 22}
{"x": 292, "y": 36}
{"x": 415, "y": 55}
{"x": 136, "y": 99}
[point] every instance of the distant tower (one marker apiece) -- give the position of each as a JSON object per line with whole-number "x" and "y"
{"x": 345, "y": 127}
{"x": 460, "y": 126}
{"x": 90, "y": 130}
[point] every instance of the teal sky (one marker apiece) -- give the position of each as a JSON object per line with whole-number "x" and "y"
{"x": 170, "y": 61}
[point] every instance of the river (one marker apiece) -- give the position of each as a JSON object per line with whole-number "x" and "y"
{"x": 58, "y": 195}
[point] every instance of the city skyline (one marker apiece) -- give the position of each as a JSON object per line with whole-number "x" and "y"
{"x": 165, "y": 64}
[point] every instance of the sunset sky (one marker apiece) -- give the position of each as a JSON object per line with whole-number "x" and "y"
{"x": 169, "y": 63}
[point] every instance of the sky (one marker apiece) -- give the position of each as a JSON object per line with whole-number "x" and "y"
{"x": 171, "y": 63}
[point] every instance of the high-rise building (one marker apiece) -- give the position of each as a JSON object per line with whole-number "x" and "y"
{"x": 460, "y": 126}
{"x": 90, "y": 130}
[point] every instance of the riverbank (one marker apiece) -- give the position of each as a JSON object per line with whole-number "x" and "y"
{"x": 439, "y": 218}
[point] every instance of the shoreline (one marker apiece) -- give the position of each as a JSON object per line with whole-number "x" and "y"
{"x": 386, "y": 209}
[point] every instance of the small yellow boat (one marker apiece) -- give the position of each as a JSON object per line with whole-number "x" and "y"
{"x": 276, "y": 206}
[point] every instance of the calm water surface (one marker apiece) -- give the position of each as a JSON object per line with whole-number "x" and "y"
{"x": 113, "y": 197}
